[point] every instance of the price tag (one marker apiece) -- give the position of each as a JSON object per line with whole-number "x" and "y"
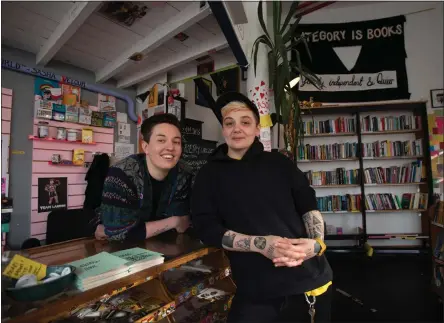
{"x": 20, "y": 266}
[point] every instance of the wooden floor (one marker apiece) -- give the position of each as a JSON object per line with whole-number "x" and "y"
{"x": 390, "y": 288}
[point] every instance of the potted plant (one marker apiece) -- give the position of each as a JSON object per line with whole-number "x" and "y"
{"x": 284, "y": 40}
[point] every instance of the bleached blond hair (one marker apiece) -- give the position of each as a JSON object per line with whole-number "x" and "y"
{"x": 234, "y": 106}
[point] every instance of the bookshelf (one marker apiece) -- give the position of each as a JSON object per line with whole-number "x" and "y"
{"x": 436, "y": 217}
{"x": 370, "y": 167}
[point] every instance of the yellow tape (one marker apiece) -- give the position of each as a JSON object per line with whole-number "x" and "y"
{"x": 266, "y": 121}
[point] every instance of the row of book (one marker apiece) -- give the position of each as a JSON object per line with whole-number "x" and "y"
{"x": 348, "y": 202}
{"x": 373, "y": 202}
{"x": 106, "y": 267}
{"x": 391, "y": 123}
{"x": 378, "y": 149}
{"x": 438, "y": 214}
{"x": 327, "y": 152}
{"x": 339, "y": 125}
{"x": 390, "y": 201}
{"x": 387, "y": 148}
{"x": 339, "y": 176}
{"x": 407, "y": 173}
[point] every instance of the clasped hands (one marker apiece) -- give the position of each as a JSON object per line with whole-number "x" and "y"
{"x": 289, "y": 252}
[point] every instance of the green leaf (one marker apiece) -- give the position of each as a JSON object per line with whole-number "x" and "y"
{"x": 306, "y": 47}
{"x": 255, "y": 49}
{"x": 291, "y": 32}
{"x": 294, "y": 44}
{"x": 277, "y": 9}
{"x": 260, "y": 15}
{"x": 291, "y": 13}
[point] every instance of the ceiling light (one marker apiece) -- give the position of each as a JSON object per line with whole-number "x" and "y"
{"x": 294, "y": 81}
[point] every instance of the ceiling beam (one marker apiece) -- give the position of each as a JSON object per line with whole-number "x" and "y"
{"x": 176, "y": 24}
{"x": 69, "y": 24}
{"x": 236, "y": 11}
{"x": 216, "y": 43}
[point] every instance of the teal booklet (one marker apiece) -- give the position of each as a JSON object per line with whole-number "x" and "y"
{"x": 139, "y": 259}
{"x": 99, "y": 266}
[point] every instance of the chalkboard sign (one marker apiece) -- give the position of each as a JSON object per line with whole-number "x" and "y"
{"x": 195, "y": 150}
{"x": 192, "y": 129}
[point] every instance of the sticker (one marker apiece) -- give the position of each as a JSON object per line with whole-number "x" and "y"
{"x": 17, "y": 152}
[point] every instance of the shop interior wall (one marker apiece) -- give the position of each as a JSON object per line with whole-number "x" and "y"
{"x": 22, "y": 126}
{"x": 424, "y": 37}
{"x": 424, "y": 46}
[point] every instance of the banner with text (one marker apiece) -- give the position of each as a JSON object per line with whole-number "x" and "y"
{"x": 356, "y": 61}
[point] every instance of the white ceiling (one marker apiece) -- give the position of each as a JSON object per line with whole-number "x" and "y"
{"x": 103, "y": 46}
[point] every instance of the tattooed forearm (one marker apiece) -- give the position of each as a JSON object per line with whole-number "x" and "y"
{"x": 260, "y": 243}
{"x": 314, "y": 224}
{"x": 235, "y": 241}
{"x": 244, "y": 243}
{"x": 228, "y": 239}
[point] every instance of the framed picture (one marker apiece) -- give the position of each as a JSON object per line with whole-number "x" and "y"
{"x": 227, "y": 80}
{"x": 200, "y": 100}
{"x": 205, "y": 68}
{"x": 437, "y": 98}
{"x": 52, "y": 194}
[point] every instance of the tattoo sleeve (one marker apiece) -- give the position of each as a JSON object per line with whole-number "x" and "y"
{"x": 314, "y": 224}
{"x": 228, "y": 239}
{"x": 235, "y": 241}
{"x": 260, "y": 242}
{"x": 244, "y": 243}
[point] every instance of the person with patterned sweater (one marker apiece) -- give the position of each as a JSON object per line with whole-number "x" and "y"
{"x": 148, "y": 193}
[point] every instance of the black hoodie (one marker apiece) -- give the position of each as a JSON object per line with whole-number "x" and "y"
{"x": 261, "y": 194}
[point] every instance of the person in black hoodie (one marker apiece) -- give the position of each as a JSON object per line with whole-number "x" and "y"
{"x": 260, "y": 208}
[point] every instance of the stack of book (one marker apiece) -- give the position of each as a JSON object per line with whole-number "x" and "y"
{"x": 106, "y": 267}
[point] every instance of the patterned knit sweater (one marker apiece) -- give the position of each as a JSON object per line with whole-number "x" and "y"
{"x": 123, "y": 196}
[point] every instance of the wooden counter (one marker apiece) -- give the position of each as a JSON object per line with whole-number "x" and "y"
{"x": 177, "y": 250}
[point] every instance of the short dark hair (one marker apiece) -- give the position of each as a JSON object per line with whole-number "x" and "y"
{"x": 148, "y": 125}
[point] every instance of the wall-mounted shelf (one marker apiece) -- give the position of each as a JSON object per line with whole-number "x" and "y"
{"x": 392, "y": 157}
{"x": 30, "y": 137}
{"x": 62, "y": 164}
{"x": 338, "y": 212}
{"x": 388, "y": 132}
{"x": 395, "y": 184}
{"x": 394, "y": 211}
{"x": 325, "y": 160}
{"x": 335, "y": 186}
{"x": 339, "y": 134}
{"x": 437, "y": 224}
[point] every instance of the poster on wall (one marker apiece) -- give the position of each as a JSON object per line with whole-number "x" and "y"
{"x": 356, "y": 61}
{"x": 227, "y": 80}
{"x": 124, "y": 132}
{"x": 52, "y": 194}
{"x": 199, "y": 98}
{"x": 176, "y": 109}
{"x": 71, "y": 94}
{"x": 47, "y": 90}
{"x": 122, "y": 150}
{"x": 156, "y": 96}
{"x": 107, "y": 103}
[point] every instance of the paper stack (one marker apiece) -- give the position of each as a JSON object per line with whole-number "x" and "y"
{"x": 106, "y": 267}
